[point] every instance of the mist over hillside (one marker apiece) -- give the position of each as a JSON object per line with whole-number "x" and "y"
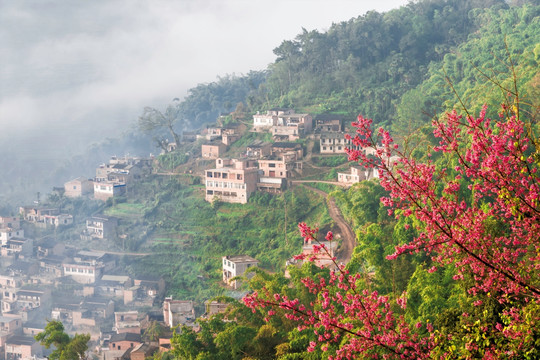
{"x": 75, "y": 74}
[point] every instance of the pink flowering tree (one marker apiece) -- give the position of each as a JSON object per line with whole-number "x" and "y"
{"x": 476, "y": 209}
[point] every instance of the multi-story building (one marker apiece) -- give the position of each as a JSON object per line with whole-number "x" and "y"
{"x": 17, "y": 246}
{"x": 84, "y": 272}
{"x": 234, "y": 266}
{"x": 231, "y": 181}
{"x": 334, "y": 143}
{"x": 178, "y": 312}
{"x": 8, "y": 234}
{"x": 275, "y": 168}
{"x": 101, "y": 227}
{"x": 273, "y": 173}
{"x": 14, "y": 299}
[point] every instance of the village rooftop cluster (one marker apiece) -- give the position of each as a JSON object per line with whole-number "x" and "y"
{"x": 44, "y": 279}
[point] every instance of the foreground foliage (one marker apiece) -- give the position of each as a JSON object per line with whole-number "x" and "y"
{"x": 473, "y": 202}
{"x": 65, "y": 347}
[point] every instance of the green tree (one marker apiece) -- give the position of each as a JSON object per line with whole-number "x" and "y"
{"x": 154, "y": 331}
{"x": 65, "y": 347}
{"x": 153, "y": 121}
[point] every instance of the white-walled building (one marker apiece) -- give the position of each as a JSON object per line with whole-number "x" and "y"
{"x": 234, "y": 266}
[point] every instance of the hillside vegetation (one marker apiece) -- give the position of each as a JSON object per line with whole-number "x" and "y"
{"x": 402, "y": 68}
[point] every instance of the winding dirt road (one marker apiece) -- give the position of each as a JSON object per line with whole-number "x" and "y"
{"x": 347, "y": 234}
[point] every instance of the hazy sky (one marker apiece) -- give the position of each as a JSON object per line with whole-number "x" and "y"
{"x": 89, "y": 67}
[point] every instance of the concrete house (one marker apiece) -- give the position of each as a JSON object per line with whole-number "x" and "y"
{"x": 215, "y": 307}
{"x": 127, "y": 321}
{"x": 14, "y": 299}
{"x": 178, "y": 312}
{"x": 20, "y": 347}
{"x": 83, "y": 272}
{"x": 283, "y": 148}
{"x": 335, "y": 143}
{"x": 213, "y": 150}
{"x": 49, "y": 247}
{"x": 10, "y": 281}
{"x": 123, "y": 169}
{"x": 10, "y": 222}
{"x": 213, "y": 133}
{"x": 275, "y": 168}
{"x": 10, "y": 325}
{"x": 17, "y": 246}
{"x": 258, "y": 151}
{"x": 356, "y": 175}
{"x": 152, "y": 285}
{"x": 36, "y": 214}
{"x": 328, "y": 123}
{"x": 101, "y": 227}
{"x": 292, "y": 126}
{"x": 58, "y": 220}
{"x": 273, "y": 173}
{"x": 107, "y": 189}
{"x": 111, "y": 285}
{"x": 234, "y": 266}
{"x": 124, "y": 341}
{"x": 264, "y": 122}
{"x": 231, "y": 181}
{"x": 92, "y": 310}
{"x": 8, "y": 234}
{"x": 143, "y": 351}
{"x": 78, "y": 187}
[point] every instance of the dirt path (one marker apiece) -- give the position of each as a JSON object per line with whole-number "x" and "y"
{"x": 347, "y": 234}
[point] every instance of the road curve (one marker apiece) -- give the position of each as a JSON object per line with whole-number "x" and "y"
{"x": 347, "y": 234}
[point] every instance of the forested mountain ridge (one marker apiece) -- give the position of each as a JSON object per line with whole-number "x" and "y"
{"x": 363, "y": 65}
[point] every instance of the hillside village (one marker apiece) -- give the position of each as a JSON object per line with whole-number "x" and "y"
{"x": 43, "y": 278}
